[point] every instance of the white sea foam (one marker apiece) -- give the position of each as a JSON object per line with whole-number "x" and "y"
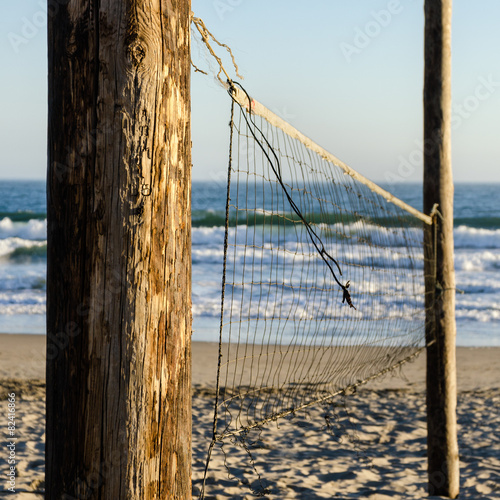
{"x": 465, "y": 237}
{"x": 22, "y": 278}
{"x": 485, "y": 309}
{"x": 22, "y": 302}
{"x": 477, "y": 260}
{"x": 293, "y": 259}
{"x": 358, "y": 232}
{"x": 382, "y": 236}
{"x": 17, "y": 309}
{"x": 34, "y": 229}
{"x": 207, "y": 236}
{"x": 9, "y": 245}
{"x": 471, "y": 237}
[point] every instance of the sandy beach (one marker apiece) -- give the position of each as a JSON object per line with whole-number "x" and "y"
{"x": 373, "y": 447}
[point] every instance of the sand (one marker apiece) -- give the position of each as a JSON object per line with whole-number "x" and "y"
{"x": 374, "y": 447}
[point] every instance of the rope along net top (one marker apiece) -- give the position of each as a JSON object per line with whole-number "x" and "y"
{"x": 323, "y": 284}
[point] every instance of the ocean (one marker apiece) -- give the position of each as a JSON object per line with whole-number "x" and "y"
{"x": 23, "y": 249}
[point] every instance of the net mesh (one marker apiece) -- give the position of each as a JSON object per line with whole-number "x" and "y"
{"x": 323, "y": 283}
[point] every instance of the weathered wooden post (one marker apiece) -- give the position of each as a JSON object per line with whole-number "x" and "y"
{"x": 443, "y": 464}
{"x": 119, "y": 277}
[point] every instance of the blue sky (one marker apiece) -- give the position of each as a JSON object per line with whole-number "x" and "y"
{"x": 347, "y": 74}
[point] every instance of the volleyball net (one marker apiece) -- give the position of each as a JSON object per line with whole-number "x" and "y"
{"x": 323, "y": 281}
{"x": 323, "y": 285}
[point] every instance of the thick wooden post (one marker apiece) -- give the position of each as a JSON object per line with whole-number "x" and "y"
{"x": 443, "y": 466}
{"x": 119, "y": 280}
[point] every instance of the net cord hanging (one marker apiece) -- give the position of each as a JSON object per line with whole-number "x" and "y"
{"x": 206, "y": 36}
{"x": 275, "y": 165}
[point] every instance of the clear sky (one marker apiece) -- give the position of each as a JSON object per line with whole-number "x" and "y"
{"x": 348, "y": 74}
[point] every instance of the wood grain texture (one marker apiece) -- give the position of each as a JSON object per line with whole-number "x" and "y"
{"x": 442, "y": 447}
{"x": 119, "y": 251}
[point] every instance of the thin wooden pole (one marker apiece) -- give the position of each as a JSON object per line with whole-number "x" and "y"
{"x": 443, "y": 464}
{"x": 119, "y": 251}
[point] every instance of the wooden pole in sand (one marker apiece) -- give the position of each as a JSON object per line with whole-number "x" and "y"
{"x": 119, "y": 280}
{"x": 443, "y": 466}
